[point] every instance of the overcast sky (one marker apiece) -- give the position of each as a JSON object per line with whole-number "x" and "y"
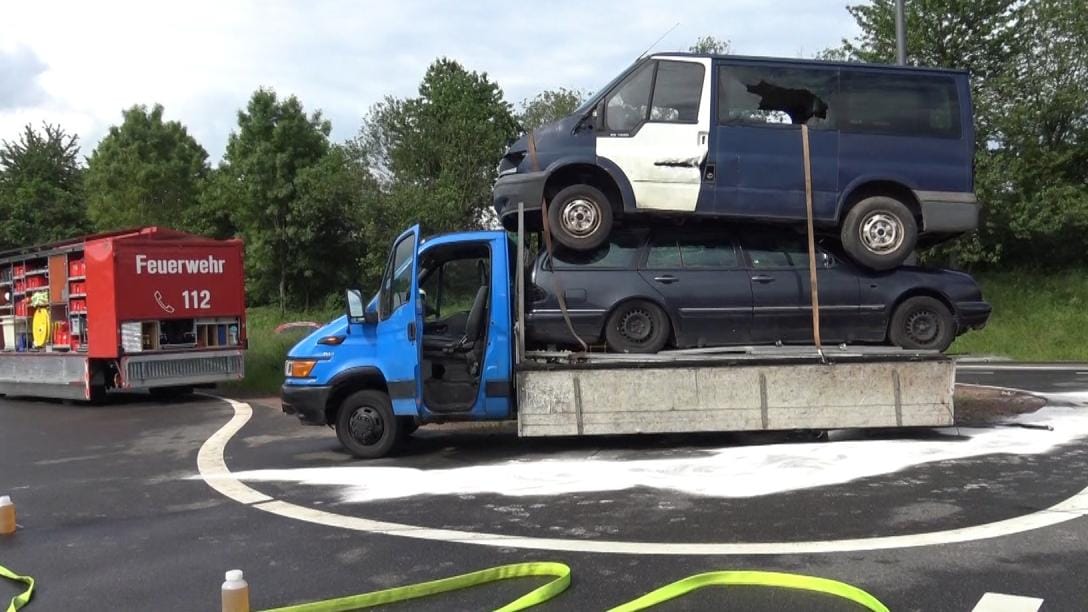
{"x": 80, "y": 63}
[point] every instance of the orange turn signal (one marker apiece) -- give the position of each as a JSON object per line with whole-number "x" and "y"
{"x": 299, "y": 368}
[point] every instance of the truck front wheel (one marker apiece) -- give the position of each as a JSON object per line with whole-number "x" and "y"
{"x": 366, "y": 425}
{"x": 580, "y": 217}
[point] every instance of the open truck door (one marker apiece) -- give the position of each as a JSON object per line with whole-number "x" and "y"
{"x": 400, "y": 323}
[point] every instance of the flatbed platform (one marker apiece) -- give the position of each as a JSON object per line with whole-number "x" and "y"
{"x": 733, "y": 389}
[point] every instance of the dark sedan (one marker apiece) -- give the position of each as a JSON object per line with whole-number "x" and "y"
{"x": 643, "y": 291}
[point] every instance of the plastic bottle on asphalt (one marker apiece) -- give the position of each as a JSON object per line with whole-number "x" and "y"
{"x": 7, "y": 516}
{"x": 235, "y": 592}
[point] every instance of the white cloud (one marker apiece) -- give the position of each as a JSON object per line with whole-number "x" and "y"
{"x": 81, "y": 63}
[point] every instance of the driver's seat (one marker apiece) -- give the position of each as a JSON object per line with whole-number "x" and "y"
{"x": 473, "y": 329}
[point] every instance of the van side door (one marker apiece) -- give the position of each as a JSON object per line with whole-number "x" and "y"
{"x": 655, "y": 127}
{"x": 758, "y": 155}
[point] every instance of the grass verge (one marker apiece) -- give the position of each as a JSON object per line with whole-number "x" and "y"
{"x": 1038, "y": 316}
{"x": 267, "y": 349}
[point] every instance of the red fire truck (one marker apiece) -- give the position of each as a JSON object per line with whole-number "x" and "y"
{"x": 148, "y": 308}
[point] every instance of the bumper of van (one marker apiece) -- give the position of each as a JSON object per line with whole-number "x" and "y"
{"x": 527, "y": 187}
{"x": 948, "y": 211}
{"x": 306, "y": 402}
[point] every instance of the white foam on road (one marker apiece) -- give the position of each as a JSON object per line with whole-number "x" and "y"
{"x": 729, "y": 472}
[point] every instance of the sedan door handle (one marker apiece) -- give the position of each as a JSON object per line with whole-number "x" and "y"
{"x": 666, "y": 279}
{"x": 762, "y": 278}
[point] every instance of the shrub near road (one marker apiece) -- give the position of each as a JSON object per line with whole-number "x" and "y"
{"x": 1038, "y": 316}
{"x": 267, "y": 349}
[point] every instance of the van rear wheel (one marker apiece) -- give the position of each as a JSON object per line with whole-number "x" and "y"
{"x": 879, "y": 233}
{"x": 366, "y": 426}
{"x": 580, "y": 217}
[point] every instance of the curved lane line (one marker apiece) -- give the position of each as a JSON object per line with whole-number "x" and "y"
{"x": 213, "y": 469}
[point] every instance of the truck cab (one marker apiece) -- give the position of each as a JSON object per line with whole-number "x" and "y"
{"x": 433, "y": 345}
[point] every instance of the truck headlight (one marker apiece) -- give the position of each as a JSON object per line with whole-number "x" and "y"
{"x": 299, "y": 368}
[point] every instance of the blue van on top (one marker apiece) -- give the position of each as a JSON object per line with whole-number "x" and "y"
{"x": 891, "y": 147}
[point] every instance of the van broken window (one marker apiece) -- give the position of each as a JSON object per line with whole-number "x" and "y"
{"x": 776, "y": 95}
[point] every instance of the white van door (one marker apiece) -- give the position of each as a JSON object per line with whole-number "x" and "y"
{"x": 656, "y": 128}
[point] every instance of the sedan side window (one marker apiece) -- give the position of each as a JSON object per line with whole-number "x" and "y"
{"x": 763, "y": 259}
{"x": 790, "y": 254}
{"x": 708, "y": 253}
{"x": 617, "y": 253}
{"x": 692, "y": 253}
{"x": 663, "y": 255}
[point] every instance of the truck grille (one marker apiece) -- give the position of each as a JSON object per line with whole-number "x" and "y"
{"x": 189, "y": 369}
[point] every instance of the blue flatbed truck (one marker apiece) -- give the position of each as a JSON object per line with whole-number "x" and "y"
{"x": 443, "y": 341}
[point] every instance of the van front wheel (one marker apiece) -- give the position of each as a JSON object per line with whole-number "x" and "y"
{"x": 366, "y": 425}
{"x": 879, "y": 233}
{"x": 580, "y": 217}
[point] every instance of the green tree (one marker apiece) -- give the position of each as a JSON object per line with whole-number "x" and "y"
{"x": 144, "y": 172}
{"x": 710, "y": 44}
{"x": 435, "y": 154}
{"x": 328, "y": 220}
{"x": 1029, "y": 73}
{"x": 548, "y": 106}
{"x": 41, "y": 188}
{"x": 275, "y": 141}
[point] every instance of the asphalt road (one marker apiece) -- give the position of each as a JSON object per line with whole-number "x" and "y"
{"x": 115, "y": 516}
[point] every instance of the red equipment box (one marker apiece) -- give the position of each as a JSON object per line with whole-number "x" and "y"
{"x": 158, "y": 274}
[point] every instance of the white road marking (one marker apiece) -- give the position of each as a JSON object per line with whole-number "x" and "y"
{"x": 1054, "y": 367}
{"x": 999, "y": 602}
{"x": 213, "y": 469}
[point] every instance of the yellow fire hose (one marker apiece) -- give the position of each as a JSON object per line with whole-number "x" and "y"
{"x": 453, "y": 583}
{"x": 23, "y": 598}
{"x": 753, "y": 578}
{"x": 561, "y": 573}
{"x": 672, "y": 590}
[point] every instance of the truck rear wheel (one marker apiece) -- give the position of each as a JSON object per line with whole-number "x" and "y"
{"x": 879, "y": 233}
{"x": 366, "y": 425}
{"x": 580, "y": 217}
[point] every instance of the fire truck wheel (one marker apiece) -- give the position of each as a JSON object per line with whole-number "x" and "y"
{"x": 366, "y": 425}
{"x": 98, "y": 395}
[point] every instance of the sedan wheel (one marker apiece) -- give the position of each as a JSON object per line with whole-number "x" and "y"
{"x": 922, "y": 323}
{"x": 637, "y": 327}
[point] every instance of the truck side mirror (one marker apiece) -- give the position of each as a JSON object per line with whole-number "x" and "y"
{"x": 357, "y": 311}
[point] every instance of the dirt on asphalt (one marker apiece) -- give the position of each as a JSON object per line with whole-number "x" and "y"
{"x": 978, "y": 405}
